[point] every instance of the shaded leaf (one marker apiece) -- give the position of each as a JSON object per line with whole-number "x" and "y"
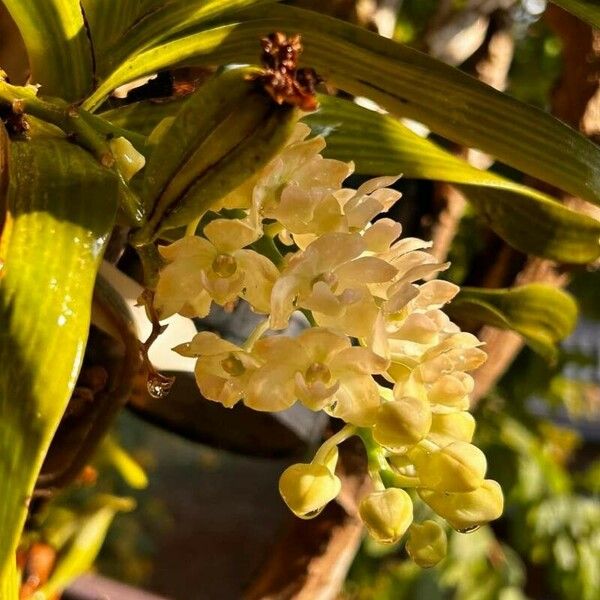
{"x": 81, "y": 551}
{"x": 222, "y": 135}
{"x": 542, "y": 314}
{"x": 587, "y": 10}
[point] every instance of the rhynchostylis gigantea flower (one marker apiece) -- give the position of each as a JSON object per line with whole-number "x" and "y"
{"x": 381, "y": 356}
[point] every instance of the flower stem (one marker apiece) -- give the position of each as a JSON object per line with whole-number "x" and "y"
{"x": 330, "y": 443}
{"x": 256, "y": 334}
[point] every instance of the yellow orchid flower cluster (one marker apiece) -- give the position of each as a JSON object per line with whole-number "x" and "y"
{"x": 381, "y": 355}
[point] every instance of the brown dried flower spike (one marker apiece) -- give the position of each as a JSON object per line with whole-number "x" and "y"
{"x": 281, "y": 78}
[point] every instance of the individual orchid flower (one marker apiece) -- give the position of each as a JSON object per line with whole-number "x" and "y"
{"x": 331, "y": 278}
{"x": 217, "y": 267}
{"x": 222, "y": 368}
{"x": 319, "y": 368}
{"x": 307, "y": 213}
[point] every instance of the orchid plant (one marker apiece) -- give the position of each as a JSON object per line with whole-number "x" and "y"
{"x": 236, "y": 193}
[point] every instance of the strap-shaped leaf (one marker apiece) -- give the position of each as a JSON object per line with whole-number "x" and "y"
{"x": 81, "y": 550}
{"x": 60, "y": 53}
{"x": 587, "y": 10}
{"x": 542, "y": 314}
{"x": 402, "y": 80}
{"x": 142, "y": 117}
{"x": 122, "y": 27}
{"x": 527, "y": 219}
{"x": 61, "y": 208}
{"x": 109, "y": 20}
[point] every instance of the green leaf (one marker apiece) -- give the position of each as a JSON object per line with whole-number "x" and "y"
{"x": 143, "y": 117}
{"x": 402, "y": 80}
{"x": 83, "y": 548}
{"x": 61, "y": 209}
{"x": 109, "y": 20}
{"x": 60, "y": 54}
{"x": 134, "y": 25}
{"x": 112, "y": 453}
{"x": 542, "y": 314}
{"x": 527, "y": 219}
{"x": 586, "y": 10}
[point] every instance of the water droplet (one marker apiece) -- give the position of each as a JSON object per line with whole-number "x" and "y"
{"x": 158, "y": 386}
{"x": 470, "y": 529}
{"x": 311, "y": 514}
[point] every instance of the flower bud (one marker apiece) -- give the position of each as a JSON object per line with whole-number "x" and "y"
{"x": 307, "y": 488}
{"x": 129, "y": 160}
{"x": 427, "y": 543}
{"x": 468, "y": 510}
{"x": 459, "y": 467}
{"x": 402, "y": 423}
{"x": 451, "y": 427}
{"x": 387, "y": 514}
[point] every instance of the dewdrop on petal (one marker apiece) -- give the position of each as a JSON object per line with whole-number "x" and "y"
{"x": 387, "y": 514}
{"x": 307, "y": 488}
{"x": 467, "y": 511}
{"x": 427, "y": 543}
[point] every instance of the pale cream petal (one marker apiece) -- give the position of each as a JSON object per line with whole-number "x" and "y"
{"x": 223, "y": 289}
{"x": 356, "y": 320}
{"x": 399, "y": 296}
{"x": 334, "y": 249}
{"x": 321, "y": 344}
{"x": 315, "y": 396}
{"x": 260, "y": 274}
{"x": 357, "y": 401}
{"x": 280, "y": 349}
{"x": 321, "y": 299}
{"x": 368, "y": 187}
{"x": 418, "y": 328}
{"x": 271, "y": 388}
{"x": 228, "y": 235}
{"x": 357, "y": 360}
{"x": 206, "y": 343}
{"x": 435, "y": 293}
{"x": 283, "y": 297}
{"x": 366, "y": 269}
{"x": 381, "y": 235}
{"x": 178, "y": 287}
{"x": 192, "y": 248}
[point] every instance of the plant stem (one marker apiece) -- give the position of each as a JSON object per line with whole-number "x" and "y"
{"x": 330, "y": 443}
{"x": 256, "y": 334}
{"x": 89, "y": 131}
{"x": 151, "y": 264}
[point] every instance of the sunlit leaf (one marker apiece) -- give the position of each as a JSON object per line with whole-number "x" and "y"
{"x": 61, "y": 208}
{"x": 402, "y": 80}
{"x": 527, "y": 219}
{"x": 60, "y": 55}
